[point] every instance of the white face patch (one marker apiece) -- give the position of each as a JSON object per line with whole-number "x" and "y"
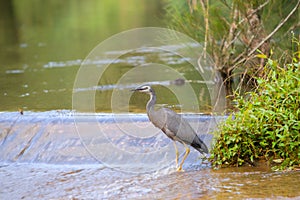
{"x": 145, "y": 89}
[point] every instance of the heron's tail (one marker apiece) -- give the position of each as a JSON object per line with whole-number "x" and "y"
{"x": 199, "y": 145}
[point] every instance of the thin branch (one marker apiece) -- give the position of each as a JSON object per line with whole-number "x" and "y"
{"x": 276, "y": 29}
{"x": 292, "y": 28}
{"x": 225, "y": 3}
{"x": 254, "y": 11}
{"x": 240, "y": 22}
{"x": 206, "y": 16}
{"x": 235, "y": 38}
{"x": 190, "y": 6}
{"x": 269, "y": 36}
{"x": 206, "y": 20}
{"x": 232, "y": 30}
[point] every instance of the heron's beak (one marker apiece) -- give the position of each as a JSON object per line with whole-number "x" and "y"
{"x": 137, "y": 89}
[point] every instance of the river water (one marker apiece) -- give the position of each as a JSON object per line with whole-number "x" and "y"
{"x": 42, "y": 181}
{"x": 44, "y": 155}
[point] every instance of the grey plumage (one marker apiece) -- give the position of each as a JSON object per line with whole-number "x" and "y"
{"x": 173, "y": 125}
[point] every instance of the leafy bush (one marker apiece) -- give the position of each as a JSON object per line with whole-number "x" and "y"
{"x": 266, "y": 125}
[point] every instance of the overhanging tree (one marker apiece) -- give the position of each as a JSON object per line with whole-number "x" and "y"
{"x": 233, "y": 31}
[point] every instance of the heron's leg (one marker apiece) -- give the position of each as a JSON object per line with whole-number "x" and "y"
{"x": 177, "y": 154}
{"x": 187, "y": 151}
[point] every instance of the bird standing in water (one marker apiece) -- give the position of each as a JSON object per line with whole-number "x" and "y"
{"x": 173, "y": 125}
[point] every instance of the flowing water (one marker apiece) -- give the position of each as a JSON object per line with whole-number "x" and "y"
{"x": 53, "y": 152}
{"x": 39, "y": 181}
{"x": 45, "y": 156}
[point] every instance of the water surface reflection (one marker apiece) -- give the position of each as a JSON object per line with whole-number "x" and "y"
{"x": 38, "y": 181}
{"x": 42, "y": 45}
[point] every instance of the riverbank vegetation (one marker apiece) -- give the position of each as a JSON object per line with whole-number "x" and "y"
{"x": 266, "y": 125}
{"x": 250, "y": 44}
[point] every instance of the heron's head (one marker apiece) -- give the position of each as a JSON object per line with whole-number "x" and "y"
{"x": 144, "y": 88}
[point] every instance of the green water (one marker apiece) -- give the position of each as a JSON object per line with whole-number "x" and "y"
{"x": 42, "y": 44}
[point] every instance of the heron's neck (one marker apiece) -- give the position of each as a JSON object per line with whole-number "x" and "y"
{"x": 151, "y": 102}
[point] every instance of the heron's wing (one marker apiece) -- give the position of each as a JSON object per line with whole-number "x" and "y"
{"x": 158, "y": 118}
{"x": 180, "y": 130}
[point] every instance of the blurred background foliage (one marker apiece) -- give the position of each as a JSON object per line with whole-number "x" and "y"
{"x": 233, "y": 30}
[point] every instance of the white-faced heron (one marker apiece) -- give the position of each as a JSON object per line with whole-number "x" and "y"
{"x": 173, "y": 125}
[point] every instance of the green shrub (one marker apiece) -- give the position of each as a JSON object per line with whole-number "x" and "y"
{"x": 266, "y": 125}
